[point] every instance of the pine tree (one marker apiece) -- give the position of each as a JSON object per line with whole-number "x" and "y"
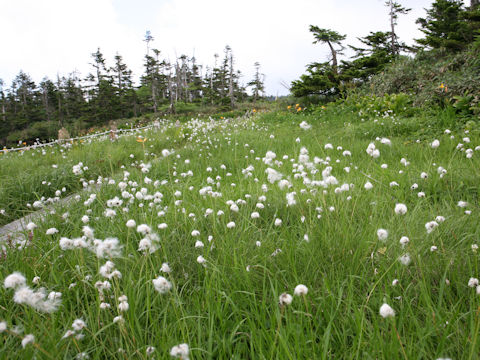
{"x": 331, "y": 38}
{"x": 4, "y": 125}
{"x": 71, "y": 98}
{"x": 26, "y": 96}
{"x": 148, "y": 39}
{"x": 371, "y": 60}
{"x": 447, "y": 26}
{"x": 123, "y": 86}
{"x": 195, "y": 84}
{"x": 154, "y": 82}
{"x": 395, "y": 9}
{"x": 231, "y": 79}
{"x": 49, "y": 97}
{"x": 99, "y": 65}
{"x": 321, "y": 78}
{"x": 257, "y": 84}
{"x": 208, "y": 92}
{"x": 2, "y": 102}
{"x": 170, "y": 88}
{"x": 103, "y": 102}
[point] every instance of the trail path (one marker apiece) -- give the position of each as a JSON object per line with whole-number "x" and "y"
{"x": 17, "y": 228}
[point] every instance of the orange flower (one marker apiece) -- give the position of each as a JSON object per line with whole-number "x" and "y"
{"x": 140, "y": 140}
{"x": 289, "y": 107}
{"x": 299, "y": 109}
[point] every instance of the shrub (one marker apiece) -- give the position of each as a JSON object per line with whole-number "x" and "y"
{"x": 434, "y": 77}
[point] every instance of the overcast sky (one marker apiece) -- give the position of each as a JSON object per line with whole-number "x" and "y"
{"x": 46, "y": 37}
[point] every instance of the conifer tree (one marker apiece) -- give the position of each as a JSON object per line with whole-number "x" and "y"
{"x": 394, "y": 9}
{"x": 331, "y": 38}
{"x": 373, "y": 58}
{"x": 103, "y": 99}
{"x": 49, "y": 96}
{"x": 123, "y": 86}
{"x": 448, "y": 26}
{"x": 4, "y": 126}
{"x": 257, "y": 84}
{"x": 195, "y": 86}
{"x": 321, "y": 78}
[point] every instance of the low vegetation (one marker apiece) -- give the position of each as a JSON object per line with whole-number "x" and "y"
{"x": 230, "y": 238}
{"x": 343, "y": 223}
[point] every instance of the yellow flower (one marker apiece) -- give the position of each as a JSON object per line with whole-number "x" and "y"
{"x": 140, "y": 140}
{"x": 323, "y": 107}
{"x": 221, "y": 117}
{"x": 289, "y": 107}
{"x": 254, "y": 110}
{"x": 299, "y": 109}
{"x": 297, "y": 105}
{"x": 441, "y": 86}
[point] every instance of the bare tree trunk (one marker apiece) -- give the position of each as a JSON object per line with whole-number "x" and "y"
{"x": 154, "y": 96}
{"x": 170, "y": 93}
{"x": 45, "y": 104}
{"x": 178, "y": 81}
{"x": 201, "y": 92}
{"x": 24, "y": 98}
{"x": 334, "y": 57}
{"x": 230, "y": 85}
{"x": 184, "y": 80}
{"x": 119, "y": 76}
{"x": 392, "y": 26}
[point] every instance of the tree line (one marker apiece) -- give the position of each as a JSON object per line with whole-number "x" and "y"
{"x": 30, "y": 111}
{"x": 449, "y": 27}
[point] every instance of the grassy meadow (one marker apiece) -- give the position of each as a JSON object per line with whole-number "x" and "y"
{"x": 198, "y": 236}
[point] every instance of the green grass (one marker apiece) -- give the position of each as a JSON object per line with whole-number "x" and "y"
{"x": 26, "y": 177}
{"x": 229, "y": 308}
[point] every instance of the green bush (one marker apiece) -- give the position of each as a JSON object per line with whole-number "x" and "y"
{"x": 434, "y": 77}
{"x": 39, "y": 130}
{"x": 370, "y": 106}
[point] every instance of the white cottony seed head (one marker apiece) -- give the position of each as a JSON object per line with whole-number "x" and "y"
{"x": 300, "y": 290}
{"x": 382, "y": 234}
{"x": 386, "y": 311}
{"x": 400, "y": 209}
{"x": 285, "y": 299}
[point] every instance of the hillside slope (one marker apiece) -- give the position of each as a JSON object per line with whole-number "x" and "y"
{"x": 434, "y": 77}
{"x": 281, "y": 236}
